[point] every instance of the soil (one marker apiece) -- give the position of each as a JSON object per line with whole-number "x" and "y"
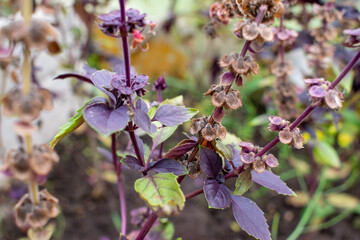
{"x": 87, "y": 208}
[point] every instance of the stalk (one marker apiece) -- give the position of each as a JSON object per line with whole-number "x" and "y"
{"x": 27, "y": 7}
{"x": 310, "y": 108}
{"x": 118, "y": 168}
{"x": 125, "y": 44}
{"x": 244, "y": 50}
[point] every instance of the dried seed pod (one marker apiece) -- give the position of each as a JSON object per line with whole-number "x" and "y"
{"x": 27, "y": 106}
{"x": 271, "y": 160}
{"x": 43, "y": 159}
{"x": 259, "y": 165}
{"x": 34, "y": 215}
{"x": 333, "y": 99}
{"x": 247, "y": 158}
{"x": 285, "y": 136}
{"x": 208, "y": 132}
{"x": 298, "y": 139}
{"x": 17, "y": 163}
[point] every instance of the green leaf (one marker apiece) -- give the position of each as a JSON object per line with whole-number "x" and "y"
{"x": 162, "y": 193}
{"x": 165, "y": 133}
{"x": 116, "y": 219}
{"x": 243, "y": 183}
{"x": 224, "y": 150}
{"x": 326, "y": 154}
{"x": 168, "y": 231}
{"x": 76, "y": 121}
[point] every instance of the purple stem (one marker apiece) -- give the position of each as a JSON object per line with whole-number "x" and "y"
{"x": 147, "y": 226}
{"x": 118, "y": 168}
{"x": 135, "y": 144}
{"x": 161, "y": 144}
{"x": 310, "y": 108}
{"x": 126, "y": 52}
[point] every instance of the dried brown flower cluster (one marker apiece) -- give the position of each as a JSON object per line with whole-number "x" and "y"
{"x": 30, "y": 167}
{"x": 251, "y": 31}
{"x": 239, "y": 65}
{"x": 319, "y": 91}
{"x": 37, "y": 35}
{"x": 30, "y": 163}
{"x": 320, "y": 55}
{"x": 221, "y": 98}
{"x": 286, "y": 97}
{"x": 258, "y": 163}
{"x": 286, "y": 136}
{"x": 28, "y": 214}
{"x": 27, "y": 106}
{"x": 208, "y": 131}
{"x": 250, "y": 9}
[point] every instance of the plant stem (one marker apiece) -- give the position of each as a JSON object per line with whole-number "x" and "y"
{"x": 193, "y": 194}
{"x": 27, "y": 9}
{"x": 244, "y": 50}
{"x": 144, "y": 231}
{"x": 135, "y": 144}
{"x": 125, "y": 44}
{"x": 310, "y": 108}
{"x": 33, "y": 192}
{"x": 118, "y": 168}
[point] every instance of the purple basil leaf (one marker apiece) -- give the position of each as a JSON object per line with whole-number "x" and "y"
{"x": 106, "y": 153}
{"x": 142, "y": 120}
{"x": 171, "y": 116}
{"x": 180, "y": 149}
{"x": 250, "y": 217}
{"x": 133, "y": 163}
{"x": 141, "y": 104}
{"x": 101, "y": 80}
{"x": 169, "y": 166}
{"x": 74, "y": 75}
{"x": 236, "y": 156}
{"x": 210, "y": 162}
{"x": 217, "y": 195}
{"x": 106, "y": 120}
{"x": 271, "y": 181}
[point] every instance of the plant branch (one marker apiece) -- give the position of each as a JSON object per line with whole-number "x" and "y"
{"x": 310, "y": 108}
{"x": 144, "y": 231}
{"x": 118, "y": 168}
{"x": 125, "y": 44}
{"x": 244, "y": 50}
{"x": 27, "y": 9}
{"x": 135, "y": 143}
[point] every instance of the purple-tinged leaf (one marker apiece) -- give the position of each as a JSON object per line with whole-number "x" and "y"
{"x": 74, "y": 75}
{"x": 317, "y": 91}
{"x": 106, "y": 153}
{"x": 171, "y": 116}
{"x": 169, "y": 166}
{"x": 210, "y": 162}
{"x": 133, "y": 163}
{"x": 236, "y": 156}
{"x": 250, "y": 217}
{"x": 101, "y": 80}
{"x": 271, "y": 181}
{"x": 106, "y": 120}
{"x": 217, "y": 195}
{"x": 141, "y": 104}
{"x": 142, "y": 120}
{"x": 181, "y": 148}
